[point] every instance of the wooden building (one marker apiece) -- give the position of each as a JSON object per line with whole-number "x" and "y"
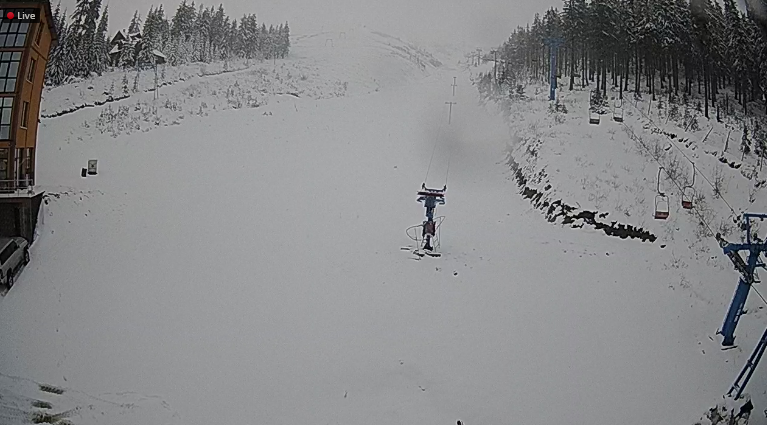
{"x": 24, "y": 50}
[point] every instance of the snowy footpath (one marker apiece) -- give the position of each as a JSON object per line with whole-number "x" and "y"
{"x": 245, "y": 267}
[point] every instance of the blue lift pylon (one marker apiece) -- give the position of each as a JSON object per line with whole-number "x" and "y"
{"x": 554, "y": 43}
{"x": 747, "y": 270}
{"x": 747, "y": 275}
{"x": 748, "y": 370}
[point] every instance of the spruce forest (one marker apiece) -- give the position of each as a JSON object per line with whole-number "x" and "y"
{"x": 193, "y": 34}
{"x": 677, "y": 49}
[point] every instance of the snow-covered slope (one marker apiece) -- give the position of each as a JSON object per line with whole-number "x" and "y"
{"x": 245, "y": 266}
{"x": 608, "y": 174}
{"x": 321, "y": 65}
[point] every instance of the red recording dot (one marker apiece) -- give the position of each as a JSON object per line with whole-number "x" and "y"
{"x": 10, "y": 15}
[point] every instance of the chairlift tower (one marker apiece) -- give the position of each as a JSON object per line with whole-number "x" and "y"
{"x": 553, "y": 43}
{"x": 747, "y": 270}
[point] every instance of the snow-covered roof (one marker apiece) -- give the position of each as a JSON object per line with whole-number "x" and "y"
{"x": 123, "y": 35}
{"x": 158, "y": 53}
{"x": 120, "y": 35}
{"x": 115, "y": 49}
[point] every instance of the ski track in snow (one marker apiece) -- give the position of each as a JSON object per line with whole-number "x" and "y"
{"x": 246, "y": 266}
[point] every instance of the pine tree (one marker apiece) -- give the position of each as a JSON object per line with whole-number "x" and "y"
{"x": 135, "y": 24}
{"x": 135, "y": 81}
{"x": 125, "y": 84}
{"x": 101, "y": 46}
{"x": 150, "y": 38}
{"x": 82, "y": 35}
{"x": 54, "y": 72}
{"x": 286, "y": 40}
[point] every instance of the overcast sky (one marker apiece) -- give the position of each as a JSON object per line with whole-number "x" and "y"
{"x": 473, "y": 22}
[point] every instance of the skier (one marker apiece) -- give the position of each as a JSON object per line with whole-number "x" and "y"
{"x": 431, "y": 198}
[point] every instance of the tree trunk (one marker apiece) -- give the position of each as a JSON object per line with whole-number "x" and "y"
{"x": 698, "y": 81}
{"x": 626, "y": 72}
{"x": 637, "y": 70}
{"x": 572, "y": 66}
{"x": 583, "y": 67}
{"x": 715, "y": 91}
{"x": 705, "y": 85}
{"x": 620, "y": 90}
{"x": 599, "y": 74}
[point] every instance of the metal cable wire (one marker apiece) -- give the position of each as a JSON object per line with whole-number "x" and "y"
{"x": 684, "y": 155}
{"x": 694, "y": 208}
{"x": 432, "y": 156}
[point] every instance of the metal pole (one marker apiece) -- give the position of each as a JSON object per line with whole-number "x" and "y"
{"x": 450, "y": 114}
{"x": 454, "y": 85}
{"x": 552, "y": 71}
{"x": 553, "y": 44}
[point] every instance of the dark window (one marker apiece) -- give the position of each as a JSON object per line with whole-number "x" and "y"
{"x": 6, "y": 108}
{"x": 24, "y": 114}
{"x": 29, "y": 168}
{"x": 39, "y": 33}
{"x": 13, "y": 34}
{"x": 9, "y": 70}
{"x": 7, "y": 252}
{"x": 19, "y": 159}
{"x": 31, "y": 70}
{"x": 4, "y": 163}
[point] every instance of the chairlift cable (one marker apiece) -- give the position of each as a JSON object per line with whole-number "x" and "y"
{"x": 760, "y": 295}
{"x": 684, "y": 155}
{"x": 447, "y": 173}
{"x": 436, "y": 139}
{"x": 695, "y": 209}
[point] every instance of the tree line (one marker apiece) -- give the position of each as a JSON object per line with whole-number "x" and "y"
{"x": 192, "y": 34}
{"x": 659, "y": 47}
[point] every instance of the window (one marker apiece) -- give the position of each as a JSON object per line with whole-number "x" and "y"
{"x": 24, "y": 114}
{"x": 13, "y": 34}
{"x": 39, "y": 33}
{"x": 6, "y": 107}
{"x": 9, "y": 70}
{"x": 4, "y": 163}
{"x": 31, "y": 70}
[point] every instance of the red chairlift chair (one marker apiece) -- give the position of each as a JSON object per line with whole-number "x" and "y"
{"x": 593, "y": 117}
{"x": 661, "y": 201}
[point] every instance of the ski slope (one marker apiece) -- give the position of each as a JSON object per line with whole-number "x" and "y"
{"x": 244, "y": 266}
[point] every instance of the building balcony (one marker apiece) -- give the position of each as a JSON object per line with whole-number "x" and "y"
{"x": 24, "y": 188}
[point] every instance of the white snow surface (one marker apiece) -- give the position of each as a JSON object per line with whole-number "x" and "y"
{"x": 244, "y": 265}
